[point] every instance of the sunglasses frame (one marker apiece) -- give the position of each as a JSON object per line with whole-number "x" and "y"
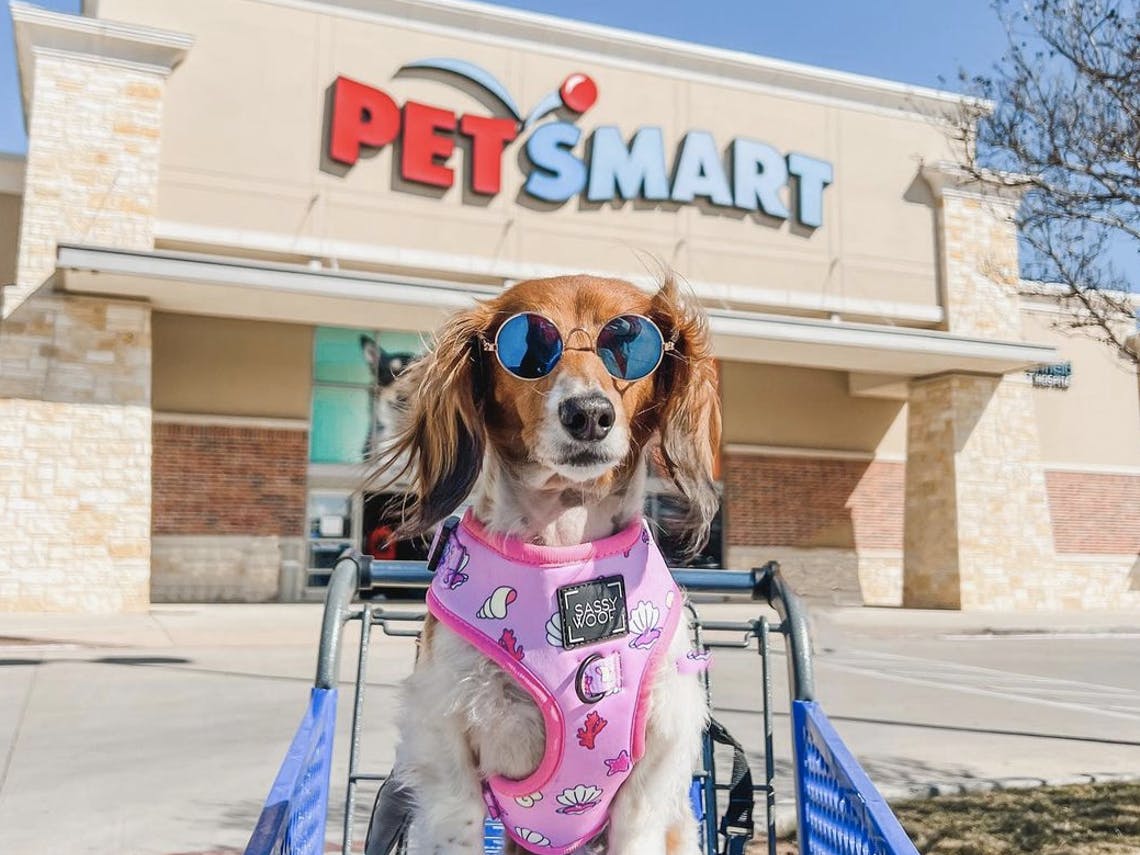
{"x": 493, "y": 346}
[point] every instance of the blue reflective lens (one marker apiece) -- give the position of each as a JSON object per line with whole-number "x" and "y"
{"x": 631, "y": 347}
{"x": 528, "y": 346}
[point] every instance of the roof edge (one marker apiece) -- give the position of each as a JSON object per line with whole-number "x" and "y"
{"x": 476, "y": 18}
{"x": 37, "y": 29}
{"x": 155, "y": 266}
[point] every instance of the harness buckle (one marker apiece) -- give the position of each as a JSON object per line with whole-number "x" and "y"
{"x": 446, "y": 530}
{"x": 598, "y": 676}
{"x": 737, "y": 834}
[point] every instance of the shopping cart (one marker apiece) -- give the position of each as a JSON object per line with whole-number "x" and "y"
{"x": 838, "y": 810}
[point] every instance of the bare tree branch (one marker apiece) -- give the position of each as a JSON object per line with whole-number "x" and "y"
{"x": 1067, "y": 121}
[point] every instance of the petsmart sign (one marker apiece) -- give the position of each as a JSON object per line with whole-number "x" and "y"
{"x": 366, "y": 118}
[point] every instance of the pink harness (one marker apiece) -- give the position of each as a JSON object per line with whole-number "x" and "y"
{"x": 582, "y": 629}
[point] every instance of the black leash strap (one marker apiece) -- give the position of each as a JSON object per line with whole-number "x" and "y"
{"x": 736, "y": 823}
{"x": 391, "y": 816}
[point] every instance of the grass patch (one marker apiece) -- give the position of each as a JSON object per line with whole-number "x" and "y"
{"x": 1097, "y": 819}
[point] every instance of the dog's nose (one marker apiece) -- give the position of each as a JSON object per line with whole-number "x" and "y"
{"x": 589, "y": 417}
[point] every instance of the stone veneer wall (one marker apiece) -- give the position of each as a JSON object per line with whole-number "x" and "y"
{"x": 1097, "y": 581}
{"x": 229, "y": 510}
{"x": 75, "y": 456}
{"x": 978, "y": 523}
{"x": 977, "y": 526}
{"x": 92, "y": 163}
{"x": 835, "y": 525}
{"x": 227, "y": 568}
{"x": 75, "y": 417}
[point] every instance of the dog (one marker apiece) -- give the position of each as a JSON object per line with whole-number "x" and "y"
{"x": 552, "y": 450}
{"x": 385, "y": 369}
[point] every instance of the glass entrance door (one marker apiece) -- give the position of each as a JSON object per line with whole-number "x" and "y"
{"x": 333, "y": 526}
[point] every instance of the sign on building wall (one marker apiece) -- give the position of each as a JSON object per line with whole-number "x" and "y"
{"x": 561, "y": 165}
{"x": 1054, "y": 375}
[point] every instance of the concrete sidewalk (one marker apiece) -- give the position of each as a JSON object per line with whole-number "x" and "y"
{"x": 161, "y": 733}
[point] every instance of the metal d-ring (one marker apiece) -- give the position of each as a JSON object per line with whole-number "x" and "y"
{"x": 580, "y": 680}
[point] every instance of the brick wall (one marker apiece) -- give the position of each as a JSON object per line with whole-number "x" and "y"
{"x": 221, "y": 479}
{"x": 813, "y": 502}
{"x": 1095, "y": 513}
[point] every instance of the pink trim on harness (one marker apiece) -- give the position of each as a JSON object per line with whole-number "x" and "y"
{"x": 502, "y": 596}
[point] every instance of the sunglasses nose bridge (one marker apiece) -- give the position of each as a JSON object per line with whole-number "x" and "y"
{"x": 585, "y": 342}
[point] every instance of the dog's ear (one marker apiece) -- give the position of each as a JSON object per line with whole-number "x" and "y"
{"x": 690, "y": 419}
{"x": 371, "y": 352}
{"x": 441, "y": 435}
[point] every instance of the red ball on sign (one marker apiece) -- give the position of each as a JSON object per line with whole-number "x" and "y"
{"x": 578, "y": 92}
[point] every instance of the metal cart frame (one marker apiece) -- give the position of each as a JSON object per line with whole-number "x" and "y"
{"x": 838, "y": 809}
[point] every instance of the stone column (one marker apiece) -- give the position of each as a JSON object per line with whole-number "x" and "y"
{"x": 75, "y": 418}
{"x": 977, "y": 526}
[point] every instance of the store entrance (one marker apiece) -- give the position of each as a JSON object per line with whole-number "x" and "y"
{"x": 343, "y": 519}
{"x": 381, "y": 514}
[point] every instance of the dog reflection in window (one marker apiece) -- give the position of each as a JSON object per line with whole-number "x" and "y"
{"x": 385, "y": 368}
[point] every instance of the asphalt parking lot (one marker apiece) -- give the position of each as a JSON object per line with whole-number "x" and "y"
{"x": 161, "y": 733}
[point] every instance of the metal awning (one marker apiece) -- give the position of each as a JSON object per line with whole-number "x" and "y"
{"x": 294, "y": 293}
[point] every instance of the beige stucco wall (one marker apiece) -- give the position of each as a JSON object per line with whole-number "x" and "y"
{"x": 9, "y": 236}
{"x": 222, "y": 366}
{"x": 254, "y": 163}
{"x": 1097, "y": 419}
{"x": 805, "y": 408}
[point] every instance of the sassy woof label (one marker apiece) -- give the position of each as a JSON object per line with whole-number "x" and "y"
{"x": 593, "y": 611}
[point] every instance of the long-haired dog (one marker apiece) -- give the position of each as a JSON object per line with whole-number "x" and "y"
{"x": 551, "y": 445}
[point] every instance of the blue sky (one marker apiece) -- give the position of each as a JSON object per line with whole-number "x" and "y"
{"x": 12, "y": 138}
{"x": 915, "y": 41}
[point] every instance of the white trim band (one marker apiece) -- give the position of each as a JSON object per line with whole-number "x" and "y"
{"x": 1093, "y": 468}
{"x": 214, "y": 420}
{"x": 501, "y": 272}
{"x": 755, "y": 450}
{"x": 215, "y": 285}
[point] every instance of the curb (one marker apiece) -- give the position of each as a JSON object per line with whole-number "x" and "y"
{"x": 1052, "y": 634}
{"x": 926, "y": 791}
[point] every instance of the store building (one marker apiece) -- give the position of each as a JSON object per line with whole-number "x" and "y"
{"x": 236, "y": 219}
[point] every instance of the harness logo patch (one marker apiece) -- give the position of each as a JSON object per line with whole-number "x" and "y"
{"x": 593, "y": 611}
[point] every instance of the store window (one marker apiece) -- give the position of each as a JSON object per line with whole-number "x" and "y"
{"x": 330, "y": 518}
{"x": 664, "y": 510}
{"x": 353, "y": 411}
{"x": 354, "y": 397}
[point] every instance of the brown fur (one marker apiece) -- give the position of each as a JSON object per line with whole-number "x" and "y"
{"x": 461, "y": 400}
{"x": 466, "y": 413}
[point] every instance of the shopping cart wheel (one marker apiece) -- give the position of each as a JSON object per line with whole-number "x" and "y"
{"x": 387, "y": 829}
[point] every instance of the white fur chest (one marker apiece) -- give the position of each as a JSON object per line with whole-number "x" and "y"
{"x": 502, "y": 723}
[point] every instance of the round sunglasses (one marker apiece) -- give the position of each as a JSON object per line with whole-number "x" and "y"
{"x": 528, "y": 346}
